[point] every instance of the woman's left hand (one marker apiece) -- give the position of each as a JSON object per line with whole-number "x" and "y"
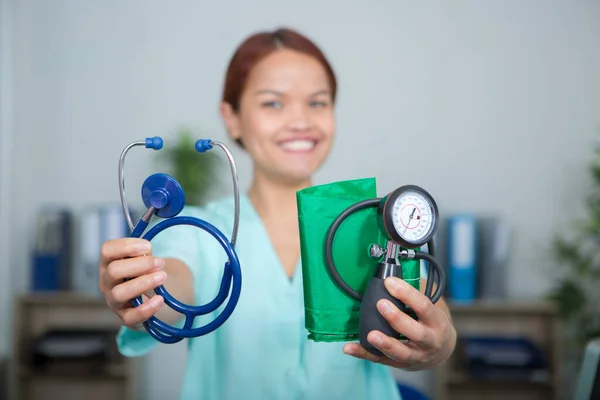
{"x": 431, "y": 339}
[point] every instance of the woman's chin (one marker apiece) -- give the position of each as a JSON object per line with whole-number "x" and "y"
{"x": 295, "y": 177}
{"x": 291, "y": 173}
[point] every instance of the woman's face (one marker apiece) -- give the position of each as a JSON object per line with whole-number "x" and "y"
{"x": 285, "y": 120}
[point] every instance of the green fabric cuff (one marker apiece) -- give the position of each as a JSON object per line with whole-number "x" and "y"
{"x": 331, "y": 315}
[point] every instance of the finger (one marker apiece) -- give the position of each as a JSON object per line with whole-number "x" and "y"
{"x": 393, "y": 348}
{"x": 403, "y": 323}
{"x": 115, "y": 249}
{"x": 132, "y": 267}
{"x": 136, "y": 315}
{"x": 417, "y": 301}
{"x": 356, "y": 350}
{"x": 133, "y": 288}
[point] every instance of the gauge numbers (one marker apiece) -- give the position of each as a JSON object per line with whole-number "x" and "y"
{"x": 409, "y": 215}
{"x": 412, "y": 214}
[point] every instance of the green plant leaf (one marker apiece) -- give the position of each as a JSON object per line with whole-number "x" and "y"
{"x": 570, "y": 298}
{"x": 589, "y": 227}
{"x": 195, "y": 172}
{"x": 595, "y": 273}
{"x": 575, "y": 294}
{"x": 566, "y": 251}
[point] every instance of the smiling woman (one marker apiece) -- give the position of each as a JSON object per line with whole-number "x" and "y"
{"x": 278, "y": 103}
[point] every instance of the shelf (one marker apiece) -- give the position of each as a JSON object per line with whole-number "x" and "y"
{"x": 462, "y": 379}
{"x": 536, "y": 321}
{"x": 479, "y": 392}
{"x": 62, "y": 298}
{"x": 105, "y": 372}
{"x": 517, "y": 308}
{"x": 113, "y": 376}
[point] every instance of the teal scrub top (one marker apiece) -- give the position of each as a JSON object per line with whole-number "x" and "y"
{"x": 262, "y": 350}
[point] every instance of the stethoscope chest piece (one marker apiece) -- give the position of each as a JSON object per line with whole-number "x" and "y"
{"x": 164, "y": 197}
{"x": 163, "y": 193}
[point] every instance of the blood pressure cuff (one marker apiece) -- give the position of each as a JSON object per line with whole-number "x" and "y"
{"x": 331, "y": 315}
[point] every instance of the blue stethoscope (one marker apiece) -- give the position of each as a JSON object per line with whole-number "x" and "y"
{"x": 164, "y": 197}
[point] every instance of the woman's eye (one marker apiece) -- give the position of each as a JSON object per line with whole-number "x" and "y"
{"x": 318, "y": 104}
{"x": 272, "y": 104}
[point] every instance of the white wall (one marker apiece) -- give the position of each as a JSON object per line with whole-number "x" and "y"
{"x": 5, "y": 169}
{"x": 492, "y": 106}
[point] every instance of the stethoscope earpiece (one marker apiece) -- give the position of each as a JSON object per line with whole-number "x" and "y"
{"x": 203, "y": 145}
{"x": 164, "y": 197}
{"x": 155, "y": 143}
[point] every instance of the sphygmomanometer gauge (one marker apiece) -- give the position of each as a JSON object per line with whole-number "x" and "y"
{"x": 408, "y": 216}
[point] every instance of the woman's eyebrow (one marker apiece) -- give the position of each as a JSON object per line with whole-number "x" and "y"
{"x": 278, "y": 93}
{"x": 318, "y": 92}
{"x": 269, "y": 91}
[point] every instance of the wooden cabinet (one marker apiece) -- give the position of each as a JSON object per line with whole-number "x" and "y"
{"x": 112, "y": 376}
{"x": 537, "y": 322}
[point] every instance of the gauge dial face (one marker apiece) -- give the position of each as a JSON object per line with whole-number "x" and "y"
{"x": 413, "y": 216}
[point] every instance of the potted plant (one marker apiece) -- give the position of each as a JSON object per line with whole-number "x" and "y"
{"x": 196, "y": 172}
{"x": 577, "y": 292}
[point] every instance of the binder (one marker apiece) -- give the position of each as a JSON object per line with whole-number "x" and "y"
{"x": 462, "y": 258}
{"x": 51, "y": 262}
{"x": 97, "y": 225}
{"x": 493, "y": 250}
{"x": 113, "y": 224}
{"x": 85, "y": 277}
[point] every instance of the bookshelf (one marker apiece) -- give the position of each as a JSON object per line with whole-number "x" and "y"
{"x": 111, "y": 376}
{"x": 535, "y": 321}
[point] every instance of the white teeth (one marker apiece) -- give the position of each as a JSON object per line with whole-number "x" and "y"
{"x": 298, "y": 145}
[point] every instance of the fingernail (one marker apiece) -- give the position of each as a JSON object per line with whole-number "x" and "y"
{"x": 159, "y": 262}
{"x": 392, "y": 283}
{"x": 348, "y": 350}
{"x": 155, "y": 302}
{"x": 377, "y": 340}
{"x": 159, "y": 277}
{"x": 383, "y": 306}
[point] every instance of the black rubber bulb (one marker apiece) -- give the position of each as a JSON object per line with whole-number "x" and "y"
{"x": 370, "y": 317}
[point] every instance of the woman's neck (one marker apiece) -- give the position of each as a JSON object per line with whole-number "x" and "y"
{"x": 272, "y": 199}
{"x": 276, "y": 205}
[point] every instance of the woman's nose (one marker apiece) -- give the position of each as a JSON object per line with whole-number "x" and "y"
{"x": 299, "y": 119}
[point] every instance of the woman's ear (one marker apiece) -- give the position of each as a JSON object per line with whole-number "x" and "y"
{"x": 230, "y": 118}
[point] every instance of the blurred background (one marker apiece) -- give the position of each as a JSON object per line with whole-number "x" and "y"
{"x": 492, "y": 106}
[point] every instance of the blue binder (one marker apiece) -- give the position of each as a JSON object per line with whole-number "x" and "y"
{"x": 52, "y": 256}
{"x": 462, "y": 258}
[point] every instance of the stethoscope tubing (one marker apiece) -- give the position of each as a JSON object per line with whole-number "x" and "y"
{"x": 232, "y": 270}
{"x": 232, "y": 276}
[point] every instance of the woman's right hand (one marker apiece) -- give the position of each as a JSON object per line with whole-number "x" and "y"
{"x": 128, "y": 270}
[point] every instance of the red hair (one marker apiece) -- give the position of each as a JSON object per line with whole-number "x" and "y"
{"x": 261, "y": 44}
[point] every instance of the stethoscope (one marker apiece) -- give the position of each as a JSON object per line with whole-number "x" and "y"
{"x": 408, "y": 218}
{"x": 164, "y": 197}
